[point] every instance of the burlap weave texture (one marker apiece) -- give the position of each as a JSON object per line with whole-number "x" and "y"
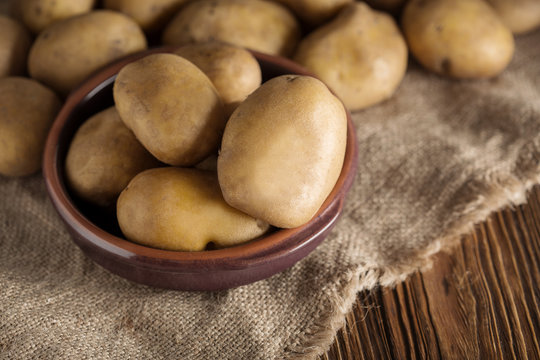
{"x": 433, "y": 160}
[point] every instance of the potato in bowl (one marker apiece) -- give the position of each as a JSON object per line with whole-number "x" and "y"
{"x": 229, "y": 267}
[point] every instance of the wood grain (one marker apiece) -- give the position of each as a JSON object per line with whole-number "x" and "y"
{"x": 481, "y": 300}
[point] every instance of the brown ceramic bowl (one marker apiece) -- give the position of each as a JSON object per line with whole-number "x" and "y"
{"x": 96, "y": 232}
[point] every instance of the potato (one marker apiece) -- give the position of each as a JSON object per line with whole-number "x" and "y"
{"x": 457, "y": 38}
{"x": 151, "y": 15}
{"x": 67, "y": 52}
{"x": 27, "y": 111}
{"x": 38, "y": 14}
{"x": 361, "y": 55}
{"x": 182, "y": 209}
{"x": 520, "y": 16}
{"x": 283, "y": 150}
{"x": 256, "y": 24}
{"x": 315, "y": 12}
{"x": 171, "y": 106}
{"x": 234, "y": 71}
{"x": 103, "y": 157}
{"x": 14, "y": 44}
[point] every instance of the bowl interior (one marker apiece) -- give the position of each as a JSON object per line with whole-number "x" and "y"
{"x": 99, "y": 225}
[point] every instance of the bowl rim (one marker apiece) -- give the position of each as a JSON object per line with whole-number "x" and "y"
{"x": 255, "y": 252}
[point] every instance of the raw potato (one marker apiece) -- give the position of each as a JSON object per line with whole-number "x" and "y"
{"x": 458, "y": 38}
{"x": 38, "y": 14}
{"x": 172, "y": 107}
{"x": 14, "y": 45}
{"x": 315, "y": 12}
{"x": 103, "y": 157}
{"x": 520, "y": 16}
{"x": 283, "y": 150}
{"x": 361, "y": 55}
{"x": 27, "y": 111}
{"x": 67, "y": 52}
{"x": 260, "y": 25}
{"x": 182, "y": 209}
{"x": 234, "y": 71}
{"x": 151, "y": 15}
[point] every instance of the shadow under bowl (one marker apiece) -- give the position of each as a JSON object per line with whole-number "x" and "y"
{"x": 96, "y": 231}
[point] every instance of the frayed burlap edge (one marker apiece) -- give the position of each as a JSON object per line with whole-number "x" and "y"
{"x": 500, "y": 192}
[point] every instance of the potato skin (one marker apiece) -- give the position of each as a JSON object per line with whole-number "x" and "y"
{"x": 233, "y": 70}
{"x": 315, "y": 12}
{"x": 172, "y": 107}
{"x": 283, "y": 150}
{"x": 67, "y": 52}
{"x": 361, "y": 55}
{"x": 151, "y": 15}
{"x": 458, "y": 38}
{"x": 260, "y": 25}
{"x": 14, "y": 45}
{"x": 38, "y": 14}
{"x": 27, "y": 111}
{"x": 182, "y": 209}
{"x": 103, "y": 157}
{"x": 520, "y": 16}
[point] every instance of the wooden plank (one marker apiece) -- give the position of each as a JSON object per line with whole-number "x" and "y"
{"x": 480, "y": 300}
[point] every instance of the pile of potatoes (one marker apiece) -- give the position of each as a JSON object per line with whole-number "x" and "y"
{"x": 359, "y": 49}
{"x": 156, "y": 150}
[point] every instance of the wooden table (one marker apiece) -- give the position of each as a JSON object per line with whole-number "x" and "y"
{"x": 479, "y": 301}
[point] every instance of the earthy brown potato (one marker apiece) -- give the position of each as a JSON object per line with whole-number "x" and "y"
{"x": 520, "y": 16}
{"x": 182, "y": 209}
{"x": 103, "y": 157}
{"x": 14, "y": 44}
{"x": 27, "y": 110}
{"x": 283, "y": 150}
{"x": 361, "y": 55}
{"x": 172, "y": 107}
{"x": 256, "y": 24}
{"x": 315, "y": 12}
{"x": 458, "y": 38}
{"x": 234, "y": 71}
{"x": 67, "y": 52}
{"x": 151, "y": 15}
{"x": 38, "y": 14}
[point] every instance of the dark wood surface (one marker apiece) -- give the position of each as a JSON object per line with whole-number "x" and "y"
{"x": 481, "y": 300}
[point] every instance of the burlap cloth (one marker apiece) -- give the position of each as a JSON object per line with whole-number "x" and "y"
{"x": 436, "y": 158}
